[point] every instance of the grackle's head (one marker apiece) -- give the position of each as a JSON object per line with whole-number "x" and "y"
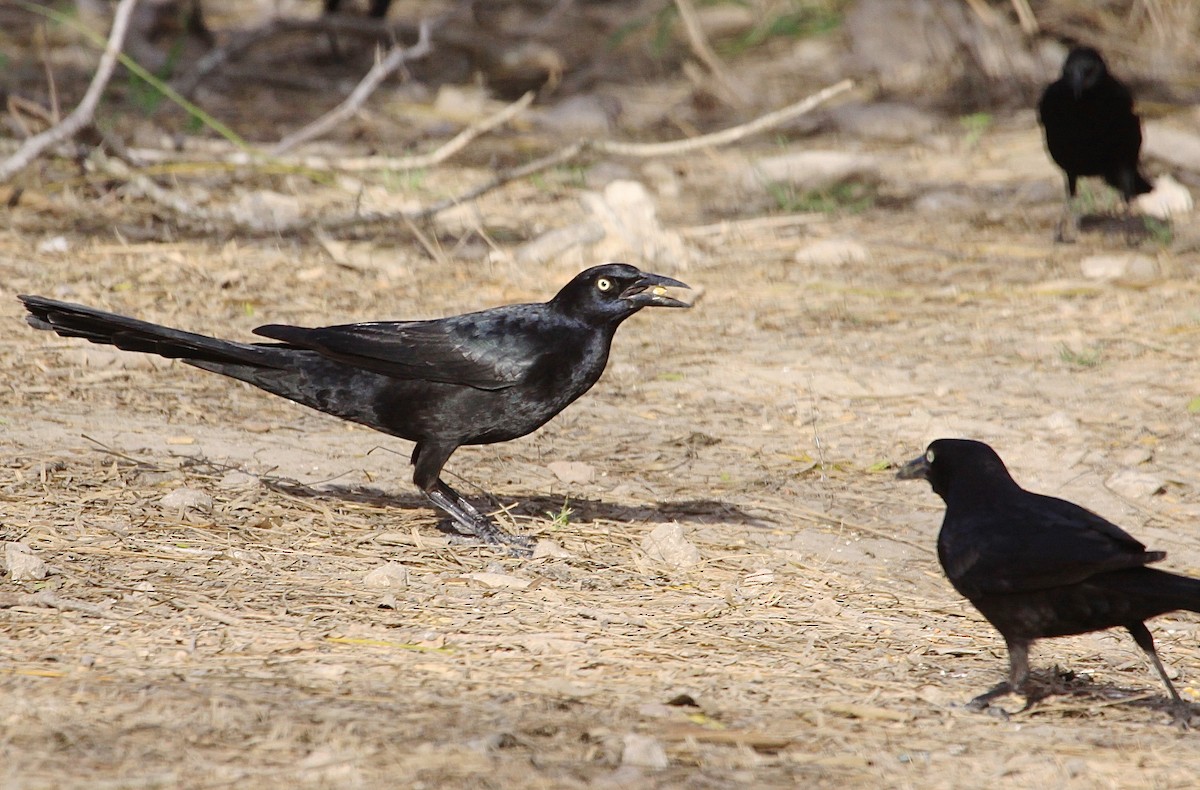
{"x": 1082, "y": 69}
{"x": 957, "y": 464}
{"x": 614, "y": 291}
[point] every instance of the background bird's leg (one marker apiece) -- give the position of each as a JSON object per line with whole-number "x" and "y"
{"x": 1141, "y": 635}
{"x": 1068, "y": 223}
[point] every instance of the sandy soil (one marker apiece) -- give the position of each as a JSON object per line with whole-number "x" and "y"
{"x": 820, "y": 644}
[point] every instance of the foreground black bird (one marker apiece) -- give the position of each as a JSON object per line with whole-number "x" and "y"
{"x": 1036, "y": 566}
{"x": 1091, "y": 130}
{"x": 477, "y": 378}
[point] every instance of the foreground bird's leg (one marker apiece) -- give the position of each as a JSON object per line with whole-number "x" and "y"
{"x": 471, "y": 520}
{"x": 1018, "y": 677}
{"x": 1141, "y": 635}
{"x": 429, "y": 459}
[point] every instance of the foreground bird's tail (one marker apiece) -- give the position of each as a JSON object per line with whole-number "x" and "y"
{"x": 1154, "y": 591}
{"x": 130, "y": 334}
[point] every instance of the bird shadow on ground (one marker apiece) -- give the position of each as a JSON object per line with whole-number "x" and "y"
{"x": 1133, "y": 228}
{"x": 1062, "y": 691}
{"x": 702, "y": 511}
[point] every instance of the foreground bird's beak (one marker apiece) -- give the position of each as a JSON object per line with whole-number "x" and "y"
{"x": 651, "y": 291}
{"x": 916, "y": 469}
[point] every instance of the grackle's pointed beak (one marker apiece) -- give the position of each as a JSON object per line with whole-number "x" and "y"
{"x": 916, "y": 469}
{"x": 651, "y": 291}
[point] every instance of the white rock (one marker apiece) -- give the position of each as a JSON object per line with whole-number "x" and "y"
{"x": 1132, "y": 484}
{"x": 498, "y": 580}
{"x": 54, "y": 244}
{"x": 1131, "y": 268}
{"x": 631, "y": 228}
{"x": 22, "y": 563}
{"x": 1060, "y": 422}
{"x": 572, "y": 471}
{"x": 809, "y": 170}
{"x": 644, "y": 751}
{"x": 185, "y": 498}
{"x": 1168, "y": 199}
{"x": 390, "y": 576}
{"x": 832, "y": 252}
{"x": 666, "y": 544}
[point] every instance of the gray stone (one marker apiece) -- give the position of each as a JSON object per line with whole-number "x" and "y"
{"x": 185, "y": 498}
{"x": 667, "y": 544}
{"x": 235, "y": 479}
{"x": 393, "y": 575}
{"x": 810, "y": 170}
{"x": 22, "y": 564}
{"x": 1132, "y": 484}
{"x": 888, "y": 121}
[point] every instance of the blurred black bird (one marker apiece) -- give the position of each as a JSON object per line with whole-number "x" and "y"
{"x": 477, "y": 378}
{"x": 1091, "y": 130}
{"x": 378, "y": 8}
{"x": 1036, "y": 566}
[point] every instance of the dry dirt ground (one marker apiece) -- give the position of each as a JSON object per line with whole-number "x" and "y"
{"x": 239, "y": 645}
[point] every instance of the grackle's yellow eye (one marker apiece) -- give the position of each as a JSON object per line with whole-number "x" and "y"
{"x": 604, "y": 284}
{"x": 929, "y": 456}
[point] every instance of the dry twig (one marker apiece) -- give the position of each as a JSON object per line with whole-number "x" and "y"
{"x": 566, "y": 154}
{"x": 384, "y": 67}
{"x": 49, "y": 600}
{"x": 82, "y": 115}
{"x": 419, "y": 161}
{"x": 192, "y": 215}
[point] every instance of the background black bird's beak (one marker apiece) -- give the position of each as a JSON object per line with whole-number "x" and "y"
{"x": 650, "y": 291}
{"x": 916, "y": 469}
{"x": 1077, "y": 79}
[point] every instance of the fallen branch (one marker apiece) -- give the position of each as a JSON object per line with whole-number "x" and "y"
{"x": 559, "y": 157}
{"x": 384, "y": 67}
{"x": 419, "y": 161}
{"x": 730, "y": 91}
{"x": 725, "y": 136}
{"x": 225, "y": 219}
{"x": 568, "y": 153}
{"x": 83, "y": 114}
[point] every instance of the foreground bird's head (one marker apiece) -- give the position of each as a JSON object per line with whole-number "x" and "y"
{"x": 956, "y": 466}
{"x": 1082, "y": 69}
{"x": 614, "y": 291}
